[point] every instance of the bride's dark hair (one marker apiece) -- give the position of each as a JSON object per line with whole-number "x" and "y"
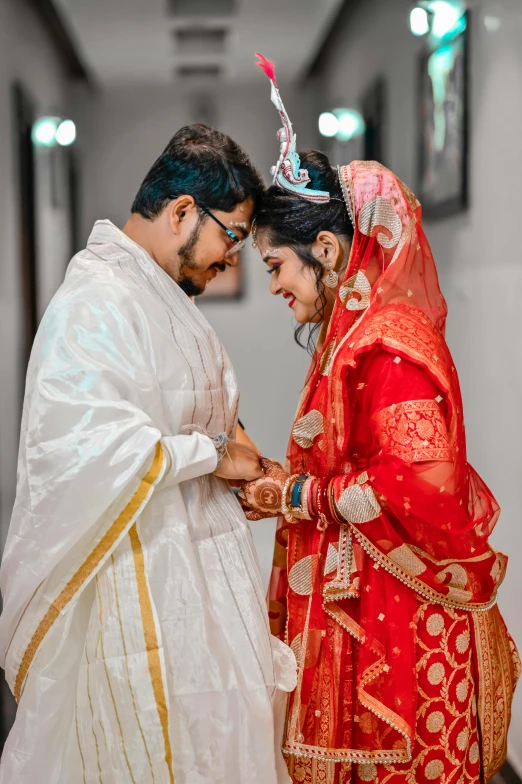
{"x": 294, "y": 222}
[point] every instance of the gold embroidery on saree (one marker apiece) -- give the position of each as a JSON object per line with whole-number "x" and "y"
{"x": 413, "y": 431}
{"x": 498, "y": 669}
{"x": 453, "y": 598}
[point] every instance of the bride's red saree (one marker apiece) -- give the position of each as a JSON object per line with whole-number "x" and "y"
{"x": 406, "y": 670}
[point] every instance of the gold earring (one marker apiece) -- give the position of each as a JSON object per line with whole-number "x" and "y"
{"x": 332, "y": 278}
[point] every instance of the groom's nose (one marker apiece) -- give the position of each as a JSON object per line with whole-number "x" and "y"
{"x": 233, "y": 260}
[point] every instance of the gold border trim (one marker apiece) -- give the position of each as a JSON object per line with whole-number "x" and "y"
{"x": 419, "y": 587}
{"x": 152, "y": 644}
{"x": 85, "y": 571}
{"x": 129, "y": 679}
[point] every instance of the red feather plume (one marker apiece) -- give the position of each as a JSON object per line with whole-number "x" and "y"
{"x": 267, "y": 66}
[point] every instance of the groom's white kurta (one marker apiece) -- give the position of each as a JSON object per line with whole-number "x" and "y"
{"x": 134, "y": 632}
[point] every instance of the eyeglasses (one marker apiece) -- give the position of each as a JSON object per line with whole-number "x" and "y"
{"x": 238, "y": 245}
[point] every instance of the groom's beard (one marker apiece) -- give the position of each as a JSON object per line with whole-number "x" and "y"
{"x": 187, "y": 253}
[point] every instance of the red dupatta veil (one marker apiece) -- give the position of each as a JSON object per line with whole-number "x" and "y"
{"x": 425, "y": 520}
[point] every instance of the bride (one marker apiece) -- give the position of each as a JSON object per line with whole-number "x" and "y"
{"x": 383, "y": 582}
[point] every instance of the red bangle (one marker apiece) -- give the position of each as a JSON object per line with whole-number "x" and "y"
{"x": 322, "y": 503}
{"x": 331, "y": 503}
{"x": 311, "y": 499}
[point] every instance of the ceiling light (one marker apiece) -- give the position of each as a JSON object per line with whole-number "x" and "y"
{"x": 419, "y": 21}
{"x": 328, "y": 124}
{"x": 66, "y": 133}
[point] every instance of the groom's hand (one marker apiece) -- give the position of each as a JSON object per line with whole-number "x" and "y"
{"x": 240, "y": 464}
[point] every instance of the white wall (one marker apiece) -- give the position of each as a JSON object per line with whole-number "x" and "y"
{"x": 25, "y": 56}
{"x": 124, "y": 130}
{"x": 478, "y": 254}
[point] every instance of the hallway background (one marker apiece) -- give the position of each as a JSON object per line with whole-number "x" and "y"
{"x": 127, "y": 77}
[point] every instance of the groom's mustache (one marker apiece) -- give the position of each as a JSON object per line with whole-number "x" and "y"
{"x": 219, "y": 266}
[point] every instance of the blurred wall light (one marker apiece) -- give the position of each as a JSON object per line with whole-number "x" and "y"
{"x": 446, "y": 18}
{"x": 442, "y": 18}
{"x": 351, "y": 124}
{"x": 44, "y": 131}
{"x": 419, "y": 21}
{"x": 492, "y": 23}
{"x": 50, "y": 131}
{"x": 344, "y": 124}
{"x": 66, "y": 133}
{"x": 328, "y": 124}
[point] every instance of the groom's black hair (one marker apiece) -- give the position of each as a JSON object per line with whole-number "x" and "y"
{"x": 203, "y": 163}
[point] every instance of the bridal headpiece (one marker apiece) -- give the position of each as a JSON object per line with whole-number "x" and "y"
{"x": 287, "y": 172}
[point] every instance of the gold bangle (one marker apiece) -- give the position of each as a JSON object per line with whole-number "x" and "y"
{"x": 284, "y": 505}
{"x": 305, "y": 512}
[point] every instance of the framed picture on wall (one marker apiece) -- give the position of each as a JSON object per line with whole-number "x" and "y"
{"x": 443, "y": 127}
{"x": 373, "y": 108}
{"x": 226, "y": 285}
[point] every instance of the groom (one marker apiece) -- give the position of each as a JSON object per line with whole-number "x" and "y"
{"x": 134, "y": 634}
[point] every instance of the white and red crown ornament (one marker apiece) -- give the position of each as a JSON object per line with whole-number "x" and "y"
{"x": 287, "y": 172}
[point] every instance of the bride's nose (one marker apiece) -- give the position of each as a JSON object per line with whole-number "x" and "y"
{"x": 275, "y": 288}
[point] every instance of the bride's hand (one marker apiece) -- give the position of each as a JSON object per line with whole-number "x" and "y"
{"x": 263, "y": 497}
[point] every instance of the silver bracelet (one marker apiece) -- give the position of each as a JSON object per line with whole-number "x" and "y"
{"x": 220, "y": 441}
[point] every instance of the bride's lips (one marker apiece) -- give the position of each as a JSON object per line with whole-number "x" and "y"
{"x": 290, "y": 298}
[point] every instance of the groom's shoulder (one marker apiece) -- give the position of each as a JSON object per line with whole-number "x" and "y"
{"x": 91, "y": 279}
{"x": 97, "y": 296}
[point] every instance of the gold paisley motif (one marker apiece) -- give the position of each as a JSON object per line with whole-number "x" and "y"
{"x": 307, "y": 428}
{"x": 296, "y": 646}
{"x": 358, "y": 504}
{"x": 379, "y": 212}
{"x": 459, "y": 595}
{"x": 407, "y": 560}
{"x": 332, "y": 559}
{"x": 355, "y": 293}
{"x": 300, "y": 577}
{"x": 459, "y": 577}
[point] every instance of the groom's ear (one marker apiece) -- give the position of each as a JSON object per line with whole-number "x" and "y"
{"x": 327, "y": 248}
{"x": 179, "y": 209}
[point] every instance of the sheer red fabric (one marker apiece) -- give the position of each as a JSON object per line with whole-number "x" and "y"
{"x": 380, "y": 423}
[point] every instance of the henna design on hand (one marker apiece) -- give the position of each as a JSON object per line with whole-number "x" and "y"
{"x": 264, "y": 496}
{"x": 268, "y": 496}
